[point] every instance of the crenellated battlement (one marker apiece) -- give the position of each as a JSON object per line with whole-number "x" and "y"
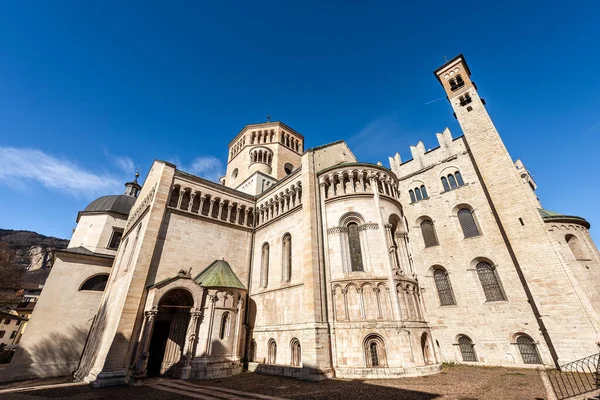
{"x": 423, "y": 159}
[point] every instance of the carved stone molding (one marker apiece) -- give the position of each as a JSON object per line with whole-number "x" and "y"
{"x": 364, "y": 227}
{"x": 337, "y": 229}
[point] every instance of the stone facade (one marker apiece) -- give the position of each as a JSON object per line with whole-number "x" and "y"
{"x": 333, "y": 267}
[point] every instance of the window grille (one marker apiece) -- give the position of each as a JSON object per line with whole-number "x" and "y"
{"x": 467, "y": 223}
{"x": 445, "y": 184}
{"x": 459, "y": 178}
{"x": 467, "y": 349}
{"x": 452, "y": 181}
{"x": 374, "y": 355}
{"x": 412, "y": 196}
{"x": 428, "y": 232}
{"x": 489, "y": 282}
{"x": 424, "y": 192}
{"x": 355, "y": 250}
{"x": 96, "y": 283}
{"x": 528, "y": 351}
{"x": 442, "y": 283}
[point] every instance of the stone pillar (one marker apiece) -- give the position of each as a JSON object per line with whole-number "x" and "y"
{"x": 245, "y": 216}
{"x": 392, "y": 251}
{"x": 142, "y": 363}
{"x": 221, "y": 205}
{"x": 351, "y": 177}
{"x": 181, "y": 193}
{"x": 202, "y": 198}
{"x": 192, "y": 195}
{"x": 213, "y": 299}
{"x": 403, "y": 257}
{"x": 212, "y": 205}
{"x": 229, "y": 207}
{"x": 238, "y": 326}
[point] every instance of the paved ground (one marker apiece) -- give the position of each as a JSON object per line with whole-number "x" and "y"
{"x": 454, "y": 382}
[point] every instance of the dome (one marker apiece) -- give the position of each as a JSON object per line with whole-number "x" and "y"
{"x": 120, "y": 204}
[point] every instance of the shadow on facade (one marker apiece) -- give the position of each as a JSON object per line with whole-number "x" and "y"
{"x": 52, "y": 356}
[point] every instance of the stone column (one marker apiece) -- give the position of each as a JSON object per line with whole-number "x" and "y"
{"x": 377, "y": 293}
{"x": 181, "y": 193}
{"x": 245, "y": 216}
{"x": 238, "y": 326}
{"x": 192, "y": 195}
{"x": 229, "y": 207}
{"x": 403, "y": 257}
{"x": 202, "y": 198}
{"x": 392, "y": 251}
{"x": 212, "y": 205}
{"x": 351, "y": 177}
{"x": 221, "y": 205}
{"x": 213, "y": 299}
{"x": 142, "y": 363}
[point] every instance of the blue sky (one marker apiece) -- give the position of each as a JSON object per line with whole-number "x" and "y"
{"x": 91, "y": 90}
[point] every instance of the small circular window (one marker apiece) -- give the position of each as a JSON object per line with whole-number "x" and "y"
{"x": 234, "y": 173}
{"x": 288, "y": 168}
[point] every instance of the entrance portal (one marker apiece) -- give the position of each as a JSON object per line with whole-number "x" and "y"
{"x": 170, "y": 332}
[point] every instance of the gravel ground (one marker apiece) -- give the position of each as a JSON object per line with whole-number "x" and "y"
{"x": 454, "y": 382}
{"x": 457, "y": 382}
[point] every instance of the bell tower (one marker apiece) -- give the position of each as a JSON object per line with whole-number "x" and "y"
{"x": 262, "y": 154}
{"x": 534, "y": 254}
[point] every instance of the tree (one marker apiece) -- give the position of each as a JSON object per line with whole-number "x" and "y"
{"x": 11, "y": 278}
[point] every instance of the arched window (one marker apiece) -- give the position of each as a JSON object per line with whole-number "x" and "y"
{"x": 459, "y": 178}
{"x": 234, "y": 174}
{"x": 467, "y": 349}
{"x": 424, "y": 192}
{"x": 459, "y": 81}
{"x": 224, "y": 328}
{"x": 95, "y": 283}
{"x": 452, "y": 181}
{"x": 418, "y": 194}
{"x": 528, "y": 350}
{"x": 444, "y": 289}
{"x": 355, "y": 250}
{"x": 374, "y": 352}
{"x": 264, "y": 266}
{"x": 286, "y": 263}
{"x": 467, "y": 223}
{"x": 296, "y": 356}
{"x": 288, "y": 168}
{"x": 489, "y": 282}
{"x": 272, "y": 353}
{"x": 428, "y": 232}
{"x": 453, "y": 84}
{"x": 412, "y": 196}
{"x": 445, "y": 184}
{"x": 575, "y": 247}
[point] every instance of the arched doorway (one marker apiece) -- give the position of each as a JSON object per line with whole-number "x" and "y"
{"x": 169, "y": 333}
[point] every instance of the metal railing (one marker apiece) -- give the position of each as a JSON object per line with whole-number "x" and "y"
{"x": 576, "y": 378}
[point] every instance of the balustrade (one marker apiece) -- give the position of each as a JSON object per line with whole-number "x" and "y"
{"x": 197, "y": 202}
{"x": 348, "y": 182}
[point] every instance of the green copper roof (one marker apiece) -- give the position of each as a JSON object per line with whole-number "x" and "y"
{"x": 549, "y": 216}
{"x": 219, "y": 274}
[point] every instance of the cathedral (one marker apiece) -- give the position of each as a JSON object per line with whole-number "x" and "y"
{"x": 308, "y": 263}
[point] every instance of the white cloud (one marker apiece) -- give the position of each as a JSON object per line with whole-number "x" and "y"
{"x": 123, "y": 163}
{"x": 33, "y": 165}
{"x": 208, "y": 167}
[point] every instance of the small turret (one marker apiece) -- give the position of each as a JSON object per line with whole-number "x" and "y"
{"x": 133, "y": 188}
